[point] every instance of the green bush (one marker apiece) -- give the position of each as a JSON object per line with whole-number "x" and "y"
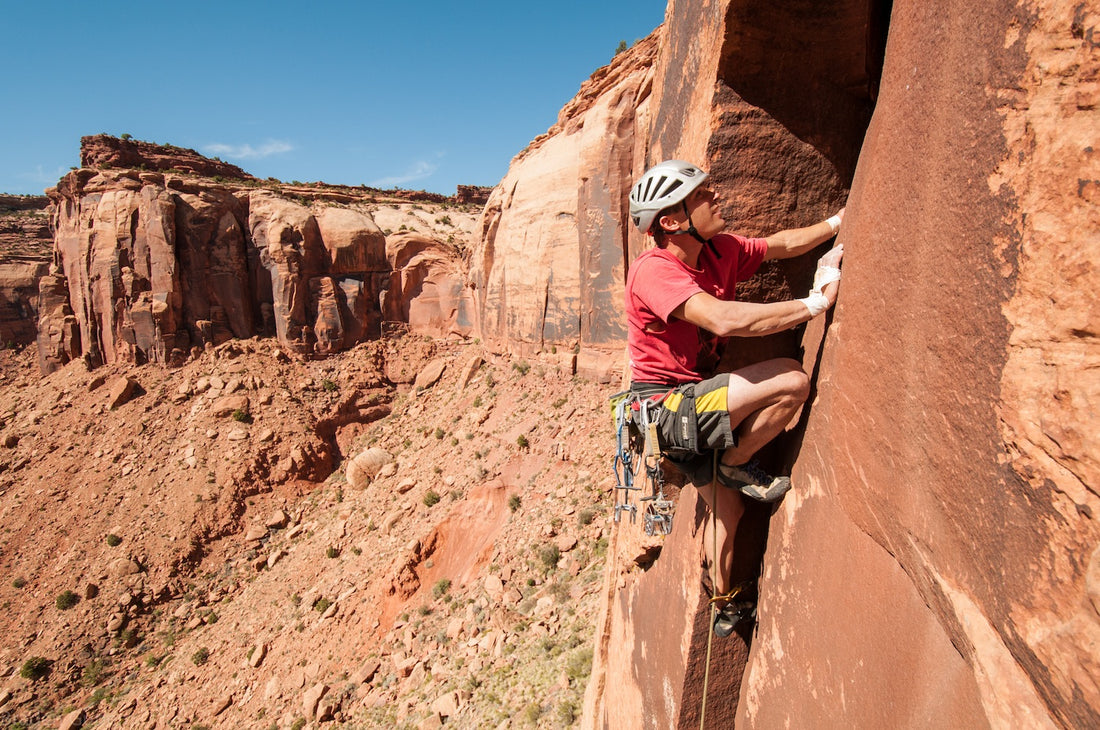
{"x": 200, "y": 657}
{"x": 35, "y": 668}
{"x": 431, "y": 498}
{"x": 522, "y": 442}
{"x": 579, "y": 663}
{"x": 113, "y": 540}
{"x": 328, "y": 385}
{"x": 321, "y": 604}
{"x": 242, "y": 416}
{"x": 514, "y": 502}
{"x": 549, "y": 554}
{"x": 441, "y": 587}
{"x": 66, "y": 600}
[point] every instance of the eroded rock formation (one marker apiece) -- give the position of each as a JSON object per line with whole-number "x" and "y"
{"x": 549, "y": 271}
{"x": 153, "y": 265}
{"x": 25, "y": 245}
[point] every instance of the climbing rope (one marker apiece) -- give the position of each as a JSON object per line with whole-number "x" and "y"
{"x": 713, "y": 589}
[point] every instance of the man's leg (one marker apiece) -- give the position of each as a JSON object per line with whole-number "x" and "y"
{"x": 727, "y": 507}
{"x": 761, "y": 400}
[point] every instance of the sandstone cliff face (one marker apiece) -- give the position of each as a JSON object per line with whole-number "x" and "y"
{"x": 935, "y": 564}
{"x": 154, "y": 265}
{"x": 549, "y": 268}
{"x": 25, "y": 245}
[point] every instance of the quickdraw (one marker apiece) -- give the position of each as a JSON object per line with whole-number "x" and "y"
{"x": 638, "y": 456}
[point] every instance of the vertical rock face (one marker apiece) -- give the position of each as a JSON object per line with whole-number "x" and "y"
{"x": 958, "y": 483}
{"x": 936, "y": 561}
{"x": 549, "y": 270}
{"x": 153, "y": 265}
{"x": 18, "y": 300}
{"x": 427, "y": 287}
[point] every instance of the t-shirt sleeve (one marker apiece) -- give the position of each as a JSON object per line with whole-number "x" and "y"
{"x": 662, "y": 286}
{"x": 753, "y": 250}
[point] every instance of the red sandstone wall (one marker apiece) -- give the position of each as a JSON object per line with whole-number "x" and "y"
{"x": 936, "y": 563}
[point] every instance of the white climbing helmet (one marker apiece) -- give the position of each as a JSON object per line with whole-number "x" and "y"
{"x": 663, "y": 185}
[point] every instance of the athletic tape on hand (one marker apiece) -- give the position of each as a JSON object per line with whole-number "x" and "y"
{"x": 834, "y": 223}
{"x": 824, "y": 276}
{"x": 817, "y": 303}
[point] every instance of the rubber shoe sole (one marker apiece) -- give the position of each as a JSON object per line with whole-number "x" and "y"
{"x": 752, "y": 485}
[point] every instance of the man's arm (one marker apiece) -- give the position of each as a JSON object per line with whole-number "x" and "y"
{"x": 741, "y": 319}
{"x": 796, "y": 241}
{"x": 749, "y": 319}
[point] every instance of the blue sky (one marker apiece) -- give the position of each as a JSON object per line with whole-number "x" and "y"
{"x": 421, "y": 95}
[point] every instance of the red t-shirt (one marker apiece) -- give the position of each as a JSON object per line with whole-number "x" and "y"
{"x": 658, "y": 283}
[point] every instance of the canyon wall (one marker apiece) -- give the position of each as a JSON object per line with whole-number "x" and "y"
{"x": 936, "y": 561}
{"x": 936, "y": 564}
{"x": 549, "y": 267}
{"x": 25, "y": 245}
{"x": 151, "y": 266}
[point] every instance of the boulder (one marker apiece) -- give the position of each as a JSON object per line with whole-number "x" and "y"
{"x": 364, "y": 466}
{"x": 430, "y": 374}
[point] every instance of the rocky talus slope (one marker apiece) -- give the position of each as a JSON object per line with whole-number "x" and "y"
{"x": 409, "y": 532}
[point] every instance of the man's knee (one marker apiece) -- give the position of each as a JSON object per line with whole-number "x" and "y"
{"x": 768, "y": 383}
{"x": 794, "y": 382}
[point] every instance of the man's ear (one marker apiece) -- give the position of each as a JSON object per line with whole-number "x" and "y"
{"x": 669, "y": 222}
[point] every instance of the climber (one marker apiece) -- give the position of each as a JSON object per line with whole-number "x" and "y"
{"x": 680, "y": 308}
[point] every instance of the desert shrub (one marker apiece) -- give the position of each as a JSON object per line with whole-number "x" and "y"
{"x": 514, "y": 502}
{"x": 442, "y": 586}
{"x": 522, "y": 442}
{"x": 579, "y": 663}
{"x": 242, "y": 416}
{"x": 35, "y": 668}
{"x": 321, "y": 604}
{"x": 66, "y": 600}
{"x": 567, "y": 712}
{"x": 328, "y": 385}
{"x": 113, "y": 540}
{"x": 585, "y": 517}
{"x": 549, "y": 554}
{"x": 431, "y": 498}
{"x": 532, "y": 713}
{"x": 200, "y": 657}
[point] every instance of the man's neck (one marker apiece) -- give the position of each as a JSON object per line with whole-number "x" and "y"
{"x": 685, "y": 248}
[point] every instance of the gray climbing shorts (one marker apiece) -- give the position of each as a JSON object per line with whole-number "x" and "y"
{"x": 693, "y": 417}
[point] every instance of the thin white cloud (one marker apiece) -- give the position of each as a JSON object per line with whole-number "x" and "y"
{"x": 247, "y": 151}
{"x": 418, "y": 171}
{"x": 43, "y": 176}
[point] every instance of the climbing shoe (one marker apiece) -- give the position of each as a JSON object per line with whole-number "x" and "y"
{"x": 732, "y": 615}
{"x": 754, "y": 482}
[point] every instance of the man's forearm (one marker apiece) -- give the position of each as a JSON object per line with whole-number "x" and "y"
{"x": 743, "y": 319}
{"x": 796, "y": 241}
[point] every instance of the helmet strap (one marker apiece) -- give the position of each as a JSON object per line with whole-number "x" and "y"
{"x": 694, "y": 233}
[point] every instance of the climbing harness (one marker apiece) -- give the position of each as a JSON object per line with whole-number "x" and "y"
{"x": 638, "y": 458}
